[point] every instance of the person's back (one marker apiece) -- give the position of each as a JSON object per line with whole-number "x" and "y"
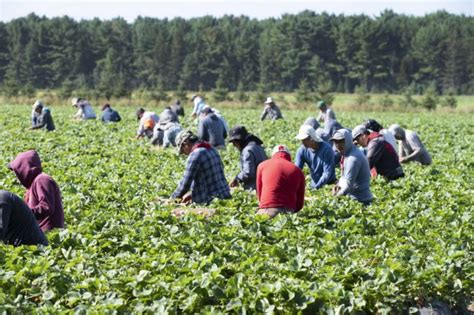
{"x": 389, "y": 137}
{"x": 110, "y": 115}
{"x": 177, "y": 108}
{"x": 18, "y": 225}
{"x": 412, "y": 142}
{"x": 383, "y": 157}
{"x": 280, "y": 184}
{"x": 44, "y": 120}
{"x": 320, "y": 162}
{"x": 255, "y": 152}
{"x": 211, "y": 129}
{"x": 43, "y": 195}
{"x": 330, "y": 127}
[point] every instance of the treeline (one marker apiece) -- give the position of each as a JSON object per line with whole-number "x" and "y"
{"x": 391, "y": 53}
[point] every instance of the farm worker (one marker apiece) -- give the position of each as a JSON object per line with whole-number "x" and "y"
{"x": 18, "y": 225}
{"x": 43, "y": 118}
{"x": 317, "y": 155}
{"x": 411, "y": 148}
{"x": 313, "y": 122}
{"x": 380, "y": 154}
{"x": 198, "y": 105}
{"x": 166, "y": 129}
{"x": 147, "y": 123}
{"x": 217, "y": 113}
{"x": 204, "y": 177}
{"x": 85, "y": 110}
{"x": 325, "y": 113}
{"x": 42, "y": 193}
{"x": 271, "y": 110}
{"x": 373, "y": 125}
{"x": 211, "y": 129}
{"x": 110, "y": 115}
{"x": 330, "y": 127}
{"x": 251, "y": 155}
{"x": 177, "y": 108}
{"x": 280, "y": 184}
{"x": 355, "y": 179}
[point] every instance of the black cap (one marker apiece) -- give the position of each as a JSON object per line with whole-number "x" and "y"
{"x": 238, "y": 133}
{"x": 373, "y": 125}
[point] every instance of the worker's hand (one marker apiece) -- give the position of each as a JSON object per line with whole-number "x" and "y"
{"x": 187, "y": 199}
{"x": 234, "y": 183}
{"x": 402, "y": 160}
{"x": 335, "y": 190}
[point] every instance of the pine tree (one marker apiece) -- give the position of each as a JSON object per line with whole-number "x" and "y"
{"x": 221, "y": 92}
{"x": 323, "y": 93}
{"x": 304, "y": 93}
{"x": 362, "y": 97}
{"x": 240, "y": 94}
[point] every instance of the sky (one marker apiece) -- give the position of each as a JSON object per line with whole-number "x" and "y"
{"x": 260, "y": 9}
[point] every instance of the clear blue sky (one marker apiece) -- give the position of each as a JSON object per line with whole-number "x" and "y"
{"x": 128, "y": 9}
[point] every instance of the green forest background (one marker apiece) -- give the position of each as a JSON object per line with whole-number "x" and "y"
{"x": 389, "y": 53}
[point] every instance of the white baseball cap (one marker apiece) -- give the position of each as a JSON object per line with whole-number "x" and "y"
{"x": 308, "y": 131}
{"x": 280, "y": 148}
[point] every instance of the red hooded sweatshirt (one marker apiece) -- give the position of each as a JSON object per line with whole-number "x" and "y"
{"x": 280, "y": 183}
{"x": 42, "y": 193}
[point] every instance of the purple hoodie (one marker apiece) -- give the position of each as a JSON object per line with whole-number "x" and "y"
{"x": 42, "y": 193}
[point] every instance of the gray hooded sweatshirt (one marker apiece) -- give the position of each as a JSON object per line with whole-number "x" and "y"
{"x": 355, "y": 180}
{"x": 409, "y": 144}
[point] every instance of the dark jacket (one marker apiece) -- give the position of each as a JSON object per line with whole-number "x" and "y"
{"x": 44, "y": 120}
{"x": 110, "y": 115}
{"x": 383, "y": 157}
{"x": 211, "y": 129}
{"x": 271, "y": 112}
{"x": 17, "y": 223}
{"x": 177, "y": 109}
{"x": 42, "y": 194}
{"x": 251, "y": 156}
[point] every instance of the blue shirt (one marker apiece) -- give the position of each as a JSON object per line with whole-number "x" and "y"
{"x": 320, "y": 163}
{"x": 204, "y": 175}
{"x": 110, "y": 115}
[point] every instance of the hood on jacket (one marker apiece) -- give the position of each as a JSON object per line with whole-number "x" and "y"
{"x": 397, "y": 131}
{"x": 347, "y": 136}
{"x": 27, "y": 166}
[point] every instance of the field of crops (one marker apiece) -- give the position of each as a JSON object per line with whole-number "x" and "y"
{"x": 122, "y": 251}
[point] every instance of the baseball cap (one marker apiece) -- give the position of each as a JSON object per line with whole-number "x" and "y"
{"x": 238, "y": 133}
{"x": 308, "y": 131}
{"x": 182, "y": 137}
{"x": 338, "y": 135}
{"x": 280, "y": 148}
{"x": 357, "y": 131}
{"x": 321, "y": 104}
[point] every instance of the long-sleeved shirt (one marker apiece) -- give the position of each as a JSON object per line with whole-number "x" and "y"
{"x": 198, "y": 105}
{"x": 42, "y": 195}
{"x": 320, "y": 163}
{"x": 411, "y": 144}
{"x": 383, "y": 157}
{"x": 44, "y": 120}
{"x": 329, "y": 114}
{"x": 85, "y": 110}
{"x": 18, "y": 225}
{"x": 280, "y": 184}
{"x": 271, "y": 112}
{"x": 330, "y": 127}
{"x": 355, "y": 180}
{"x": 169, "y": 135}
{"x": 211, "y": 129}
{"x": 251, "y": 156}
{"x": 110, "y": 115}
{"x": 146, "y": 116}
{"x": 204, "y": 176}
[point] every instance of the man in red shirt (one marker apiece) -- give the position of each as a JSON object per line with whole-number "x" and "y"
{"x": 280, "y": 184}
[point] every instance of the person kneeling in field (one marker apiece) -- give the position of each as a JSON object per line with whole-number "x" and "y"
{"x": 41, "y": 117}
{"x": 212, "y": 129}
{"x": 411, "y": 148}
{"x": 85, "y": 110}
{"x": 280, "y": 184}
{"x": 109, "y": 115}
{"x": 166, "y": 130}
{"x": 251, "y": 155}
{"x": 42, "y": 195}
{"x": 381, "y": 155}
{"x": 355, "y": 180}
{"x": 318, "y": 155}
{"x": 147, "y": 123}
{"x": 18, "y": 225}
{"x": 204, "y": 173}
